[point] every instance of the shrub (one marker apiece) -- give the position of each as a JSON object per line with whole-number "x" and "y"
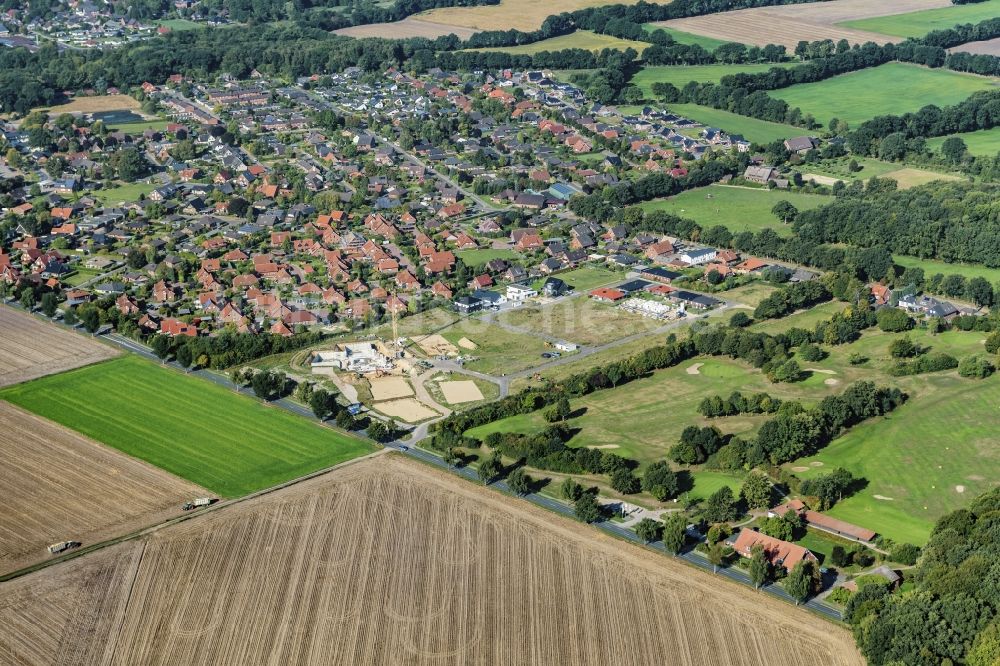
{"x": 857, "y": 358}
{"x": 975, "y": 367}
{"x": 811, "y": 353}
{"x": 902, "y": 348}
{"x": 905, "y": 553}
{"x": 993, "y": 342}
{"x": 893, "y": 320}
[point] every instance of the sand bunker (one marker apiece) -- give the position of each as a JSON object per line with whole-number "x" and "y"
{"x": 882, "y": 497}
{"x": 800, "y": 468}
{"x": 603, "y": 446}
{"x": 695, "y": 369}
{"x": 435, "y": 345}
{"x": 461, "y": 391}
{"x": 959, "y": 489}
{"x": 816, "y": 463}
{"x": 831, "y": 382}
{"x": 389, "y": 388}
{"x": 466, "y": 343}
{"x": 407, "y": 409}
{"x": 821, "y": 371}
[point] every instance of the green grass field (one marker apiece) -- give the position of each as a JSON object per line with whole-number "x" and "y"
{"x": 758, "y": 131}
{"x": 681, "y": 37}
{"x": 980, "y": 143}
{"x": 893, "y": 88}
{"x": 588, "y": 277}
{"x": 180, "y": 25}
{"x": 681, "y": 75}
{"x": 480, "y": 256}
{"x": 139, "y": 127}
{"x": 230, "y": 444}
{"x": 129, "y": 192}
{"x": 918, "y": 24}
{"x": 736, "y": 208}
{"x": 581, "y": 39}
{"x": 932, "y": 266}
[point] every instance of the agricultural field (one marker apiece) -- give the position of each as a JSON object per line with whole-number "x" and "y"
{"x": 681, "y": 75}
{"x": 893, "y": 88}
{"x": 789, "y": 24}
{"x": 389, "y": 561}
{"x": 987, "y": 47}
{"x": 581, "y": 39}
{"x": 919, "y": 23}
{"x": 581, "y": 320}
{"x": 691, "y": 39}
{"x": 32, "y": 348}
{"x": 508, "y": 14}
{"x": 480, "y": 256}
{"x": 96, "y": 104}
{"x": 200, "y": 431}
{"x": 405, "y": 29}
{"x": 932, "y": 266}
{"x": 981, "y": 143}
{"x": 59, "y": 485}
{"x": 736, "y": 208}
{"x": 758, "y": 131}
{"x": 909, "y": 177}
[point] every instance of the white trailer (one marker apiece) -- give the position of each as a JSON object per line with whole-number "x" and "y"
{"x": 63, "y": 546}
{"x": 200, "y": 502}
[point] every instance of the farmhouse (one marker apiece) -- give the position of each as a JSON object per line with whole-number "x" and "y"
{"x": 353, "y": 357}
{"x": 779, "y": 553}
{"x": 823, "y": 522}
{"x": 760, "y": 174}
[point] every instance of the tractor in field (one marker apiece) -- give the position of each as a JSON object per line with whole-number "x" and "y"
{"x": 63, "y": 546}
{"x": 199, "y": 502}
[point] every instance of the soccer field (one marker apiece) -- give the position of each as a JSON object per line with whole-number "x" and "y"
{"x": 228, "y": 443}
{"x": 890, "y": 89}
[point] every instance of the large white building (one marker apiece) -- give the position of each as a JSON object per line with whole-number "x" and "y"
{"x": 352, "y": 357}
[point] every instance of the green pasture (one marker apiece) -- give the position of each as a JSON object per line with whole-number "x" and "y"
{"x": 758, "y": 131}
{"x": 932, "y": 266}
{"x": 982, "y": 143}
{"x": 691, "y": 39}
{"x": 681, "y": 75}
{"x": 918, "y": 24}
{"x": 228, "y": 443}
{"x": 736, "y": 208}
{"x": 893, "y": 88}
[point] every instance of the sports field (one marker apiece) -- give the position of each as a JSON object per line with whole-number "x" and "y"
{"x": 228, "y": 443}
{"x": 736, "y": 208}
{"x": 681, "y": 75}
{"x": 982, "y": 143}
{"x": 918, "y": 24}
{"x": 893, "y": 88}
{"x": 581, "y": 39}
{"x": 96, "y": 104}
{"x": 758, "y": 131}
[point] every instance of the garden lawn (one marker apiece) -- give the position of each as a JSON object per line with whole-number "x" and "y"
{"x": 707, "y": 482}
{"x": 126, "y": 193}
{"x": 758, "y": 131}
{"x": 918, "y": 24}
{"x": 139, "y": 127}
{"x": 586, "y": 278}
{"x": 228, "y": 443}
{"x": 982, "y": 143}
{"x": 736, "y": 208}
{"x": 581, "y": 39}
{"x": 480, "y": 256}
{"x": 681, "y": 75}
{"x": 180, "y": 25}
{"x": 893, "y": 88}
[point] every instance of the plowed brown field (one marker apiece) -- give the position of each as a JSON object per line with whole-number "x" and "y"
{"x": 32, "y": 348}
{"x": 59, "y": 486}
{"x": 389, "y": 562}
{"x": 789, "y": 24}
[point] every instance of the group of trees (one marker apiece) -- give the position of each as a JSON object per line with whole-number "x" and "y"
{"x": 738, "y": 403}
{"x": 952, "y": 615}
{"x": 828, "y": 489}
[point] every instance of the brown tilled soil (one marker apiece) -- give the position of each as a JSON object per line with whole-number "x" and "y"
{"x": 988, "y": 47}
{"x": 60, "y": 486}
{"x": 387, "y": 561}
{"x": 789, "y": 24}
{"x": 32, "y": 348}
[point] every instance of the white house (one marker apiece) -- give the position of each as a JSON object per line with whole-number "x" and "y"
{"x": 698, "y": 257}
{"x": 519, "y": 292}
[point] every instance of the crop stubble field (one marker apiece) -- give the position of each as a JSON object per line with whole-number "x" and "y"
{"x": 388, "y": 561}
{"x": 789, "y": 24}
{"x": 32, "y": 348}
{"x": 58, "y": 486}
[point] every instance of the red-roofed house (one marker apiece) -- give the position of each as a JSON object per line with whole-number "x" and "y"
{"x": 607, "y": 295}
{"x": 779, "y": 553}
